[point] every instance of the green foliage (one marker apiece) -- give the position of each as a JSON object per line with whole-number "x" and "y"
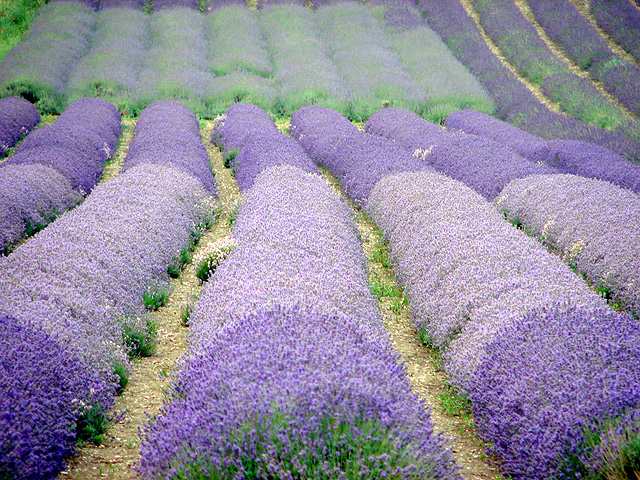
{"x": 154, "y": 299}
{"x": 229, "y": 156}
{"x": 15, "y": 17}
{"x": 380, "y": 289}
{"x": 123, "y": 377}
{"x": 399, "y": 304}
{"x": 91, "y": 425}
{"x": 454, "y": 403}
{"x": 141, "y": 342}
{"x": 185, "y": 314}
{"x": 209, "y": 264}
{"x": 381, "y": 256}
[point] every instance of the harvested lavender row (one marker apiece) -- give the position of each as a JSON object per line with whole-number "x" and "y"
{"x": 44, "y": 389}
{"x": 38, "y": 67}
{"x": 291, "y": 392}
{"x": 514, "y": 102}
{"x": 77, "y": 144}
{"x": 466, "y": 271}
{"x": 240, "y": 123}
{"x": 558, "y": 394}
{"x": 168, "y": 133}
{"x": 176, "y": 65}
{"x": 592, "y": 224}
{"x": 482, "y": 164}
{"x": 448, "y": 84}
{"x": 31, "y": 196}
{"x": 297, "y": 244}
{"x": 621, "y": 21}
{"x": 362, "y": 52}
{"x": 358, "y": 159}
{"x": 111, "y": 68}
{"x": 83, "y": 278}
{"x": 304, "y": 73}
{"x": 17, "y": 118}
{"x": 579, "y": 40}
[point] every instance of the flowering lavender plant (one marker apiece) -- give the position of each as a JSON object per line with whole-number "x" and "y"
{"x": 592, "y": 224}
{"x": 240, "y": 122}
{"x": 128, "y": 4}
{"x": 159, "y": 5}
{"x": 621, "y": 21}
{"x": 293, "y": 392}
{"x": 406, "y": 128}
{"x": 17, "y": 118}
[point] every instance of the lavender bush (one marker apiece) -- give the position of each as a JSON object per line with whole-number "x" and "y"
{"x": 362, "y": 52}
{"x": 621, "y": 21}
{"x": 31, "y": 195}
{"x": 303, "y": 72}
{"x": 239, "y": 124}
{"x": 17, "y": 118}
{"x": 592, "y": 224}
{"x": 92, "y": 4}
{"x": 129, "y": 4}
{"x": 45, "y": 395}
{"x": 549, "y": 381}
{"x": 292, "y": 392}
{"x": 168, "y": 133}
{"x": 405, "y": 127}
{"x": 466, "y": 272}
{"x": 159, "y": 5}
{"x": 38, "y": 67}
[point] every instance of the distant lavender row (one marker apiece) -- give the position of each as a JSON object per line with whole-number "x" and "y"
{"x": 359, "y": 160}
{"x": 448, "y": 84}
{"x": 168, "y": 133}
{"x": 82, "y": 280}
{"x": 289, "y": 354}
{"x": 483, "y": 164}
{"x": 38, "y": 67}
{"x": 621, "y": 21}
{"x": 366, "y": 61}
{"x": 592, "y": 224}
{"x": 17, "y": 118}
{"x": 565, "y": 156}
{"x": 515, "y": 103}
{"x": 565, "y": 25}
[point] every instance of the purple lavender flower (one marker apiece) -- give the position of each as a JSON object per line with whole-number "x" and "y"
{"x": 44, "y": 392}
{"x": 293, "y": 392}
{"x": 621, "y": 21}
{"x": 134, "y": 4}
{"x": 159, "y": 5}
{"x": 591, "y": 224}
{"x": 550, "y": 378}
{"x": 17, "y": 118}
{"x": 406, "y": 128}
{"x": 239, "y": 123}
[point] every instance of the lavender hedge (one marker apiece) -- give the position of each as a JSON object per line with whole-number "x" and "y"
{"x": 44, "y": 390}
{"x": 239, "y": 124}
{"x": 161, "y": 5}
{"x": 591, "y": 224}
{"x": 128, "y": 4}
{"x": 465, "y": 270}
{"x": 17, "y": 118}
{"x": 362, "y": 52}
{"x": 405, "y": 127}
{"x": 168, "y": 133}
{"x": 621, "y": 21}
{"x": 562, "y": 22}
{"x": 558, "y": 394}
{"x": 358, "y": 159}
{"x": 303, "y": 71}
{"x": 514, "y": 102}
{"x": 38, "y": 67}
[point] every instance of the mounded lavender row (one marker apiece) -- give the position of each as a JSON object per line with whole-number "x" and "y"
{"x": 448, "y": 84}
{"x": 239, "y": 124}
{"x": 17, "y": 118}
{"x": 621, "y": 21}
{"x": 82, "y": 282}
{"x": 168, "y": 133}
{"x": 358, "y": 159}
{"x": 291, "y": 373}
{"x": 514, "y": 102}
{"x": 564, "y": 156}
{"x": 365, "y": 59}
{"x": 592, "y": 224}
{"x": 538, "y": 353}
{"x": 38, "y": 67}
{"x": 483, "y": 164}
{"x": 580, "y": 41}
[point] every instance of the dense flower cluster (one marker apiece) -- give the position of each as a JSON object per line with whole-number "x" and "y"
{"x": 43, "y": 391}
{"x": 550, "y": 381}
{"x": 358, "y": 159}
{"x": 405, "y": 127}
{"x": 297, "y": 244}
{"x": 242, "y": 123}
{"x": 580, "y": 41}
{"x": 465, "y": 270}
{"x": 37, "y": 68}
{"x": 592, "y": 224}
{"x": 168, "y": 133}
{"x": 294, "y": 393}
{"x": 17, "y": 118}
{"x": 621, "y": 21}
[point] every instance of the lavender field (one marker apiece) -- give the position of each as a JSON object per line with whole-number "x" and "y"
{"x": 321, "y": 239}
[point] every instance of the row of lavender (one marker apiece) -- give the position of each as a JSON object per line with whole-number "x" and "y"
{"x": 290, "y": 372}
{"x": 281, "y": 58}
{"x": 548, "y": 366}
{"x": 55, "y": 167}
{"x": 72, "y": 303}
{"x": 514, "y": 102}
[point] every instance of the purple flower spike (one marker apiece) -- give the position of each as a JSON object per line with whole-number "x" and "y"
{"x": 17, "y": 118}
